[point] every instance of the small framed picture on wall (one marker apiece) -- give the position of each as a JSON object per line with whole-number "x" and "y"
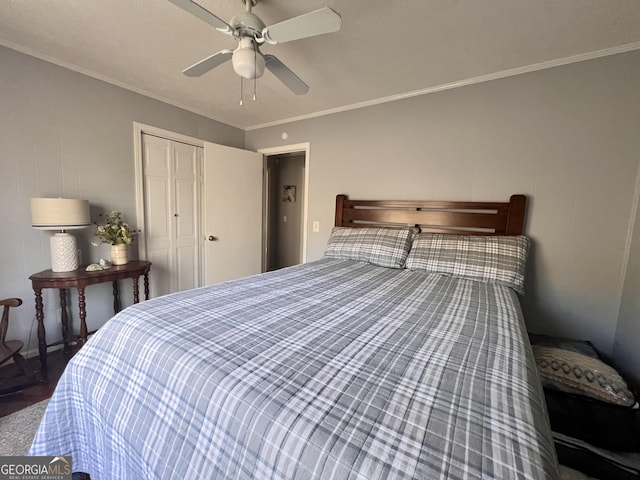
{"x": 289, "y": 193}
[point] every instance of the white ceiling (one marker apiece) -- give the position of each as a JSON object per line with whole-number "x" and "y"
{"x": 386, "y": 49}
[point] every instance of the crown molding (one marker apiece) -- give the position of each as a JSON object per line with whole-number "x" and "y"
{"x": 460, "y": 83}
{"x": 368, "y": 103}
{"x": 103, "y": 78}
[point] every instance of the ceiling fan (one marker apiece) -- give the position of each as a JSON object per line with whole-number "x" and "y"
{"x": 251, "y": 32}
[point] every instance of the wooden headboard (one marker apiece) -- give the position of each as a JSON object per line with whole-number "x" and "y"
{"x": 477, "y": 218}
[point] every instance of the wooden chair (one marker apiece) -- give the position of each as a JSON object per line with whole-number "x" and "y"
{"x": 11, "y": 349}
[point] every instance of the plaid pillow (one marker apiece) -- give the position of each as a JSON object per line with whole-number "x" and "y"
{"x": 491, "y": 259}
{"x": 387, "y": 247}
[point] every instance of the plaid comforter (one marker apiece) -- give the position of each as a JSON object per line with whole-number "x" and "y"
{"x": 335, "y": 369}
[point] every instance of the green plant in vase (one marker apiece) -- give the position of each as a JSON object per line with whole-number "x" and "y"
{"x": 118, "y": 234}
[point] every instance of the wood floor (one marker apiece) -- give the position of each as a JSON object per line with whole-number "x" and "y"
{"x": 56, "y": 360}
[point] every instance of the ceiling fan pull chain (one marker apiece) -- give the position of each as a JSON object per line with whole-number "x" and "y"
{"x": 255, "y": 79}
{"x": 241, "y": 103}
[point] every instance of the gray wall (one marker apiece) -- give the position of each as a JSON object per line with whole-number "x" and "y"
{"x": 626, "y": 350}
{"x": 65, "y": 134}
{"x": 567, "y": 137}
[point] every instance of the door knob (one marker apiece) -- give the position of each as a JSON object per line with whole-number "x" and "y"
{"x": 212, "y": 238}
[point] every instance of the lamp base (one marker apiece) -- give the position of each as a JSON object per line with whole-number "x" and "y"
{"x": 64, "y": 252}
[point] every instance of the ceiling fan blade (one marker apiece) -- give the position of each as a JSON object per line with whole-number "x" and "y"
{"x": 285, "y": 75}
{"x": 202, "y": 13}
{"x": 209, "y": 63}
{"x": 318, "y": 22}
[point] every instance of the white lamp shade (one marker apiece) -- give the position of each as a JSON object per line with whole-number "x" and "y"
{"x": 59, "y": 213}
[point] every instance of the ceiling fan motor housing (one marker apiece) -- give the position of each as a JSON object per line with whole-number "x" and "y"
{"x": 247, "y": 24}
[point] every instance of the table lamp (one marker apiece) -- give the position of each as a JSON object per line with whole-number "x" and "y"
{"x": 61, "y": 214}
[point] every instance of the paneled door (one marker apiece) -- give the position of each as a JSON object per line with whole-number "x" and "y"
{"x": 200, "y": 206}
{"x": 232, "y": 213}
{"x": 172, "y": 226}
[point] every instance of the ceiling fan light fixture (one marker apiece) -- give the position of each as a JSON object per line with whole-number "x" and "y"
{"x": 247, "y": 60}
{"x": 250, "y": 32}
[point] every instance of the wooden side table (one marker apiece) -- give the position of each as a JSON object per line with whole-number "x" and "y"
{"x": 79, "y": 279}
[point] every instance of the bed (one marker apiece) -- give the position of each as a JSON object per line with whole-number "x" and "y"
{"x": 401, "y": 354}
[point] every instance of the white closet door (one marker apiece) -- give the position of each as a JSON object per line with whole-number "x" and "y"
{"x": 172, "y": 226}
{"x": 232, "y": 213}
{"x": 187, "y": 159}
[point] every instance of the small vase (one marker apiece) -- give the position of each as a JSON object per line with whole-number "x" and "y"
{"x": 119, "y": 254}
